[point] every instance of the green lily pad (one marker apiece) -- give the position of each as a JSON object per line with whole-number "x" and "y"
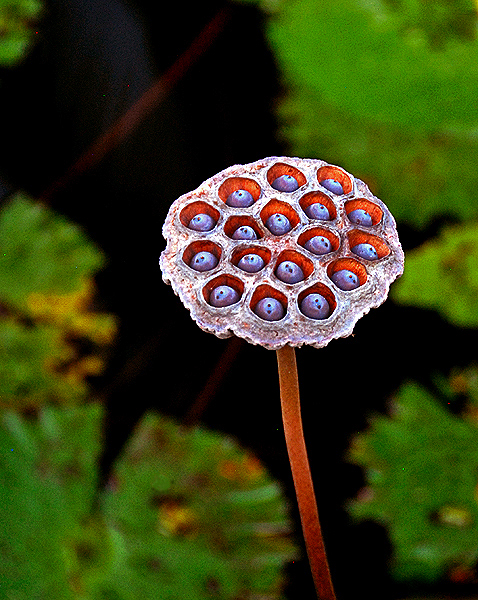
{"x": 442, "y": 274}
{"x": 420, "y": 465}
{"x": 48, "y": 479}
{"x": 379, "y": 62}
{"x": 198, "y": 517}
{"x": 41, "y": 252}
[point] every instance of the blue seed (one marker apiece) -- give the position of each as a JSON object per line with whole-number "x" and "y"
{"x": 333, "y": 186}
{"x": 201, "y": 222}
{"x": 315, "y": 306}
{"x": 318, "y": 211}
{"x": 318, "y": 245}
{"x": 366, "y": 251}
{"x": 345, "y": 280}
{"x": 244, "y": 233}
{"x": 251, "y": 263}
{"x": 223, "y": 295}
{"x": 289, "y": 272}
{"x": 269, "y": 309}
{"x": 203, "y": 261}
{"x": 285, "y": 183}
{"x": 278, "y": 224}
{"x": 240, "y": 199}
{"x": 360, "y": 217}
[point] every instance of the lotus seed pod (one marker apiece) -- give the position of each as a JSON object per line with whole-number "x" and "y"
{"x": 201, "y": 222}
{"x": 223, "y": 295}
{"x": 244, "y": 233}
{"x": 318, "y": 244}
{"x": 340, "y": 277}
{"x": 278, "y": 224}
{"x": 251, "y": 263}
{"x": 285, "y": 183}
{"x": 318, "y": 211}
{"x": 333, "y": 186}
{"x": 240, "y": 199}
{"x": 315, "y": 306}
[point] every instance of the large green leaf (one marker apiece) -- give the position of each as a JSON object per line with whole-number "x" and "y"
{"x": 28, "y": 355}
{"x": 421, "y": 464}
{"x": 198, "y": 517}
{"x": 47, "y": 487}
{"x": 386, "y": 89}
{"x": 188, "y": 514}
{"x": 46, "y": 293}
{"x": 419, "y": 175}
{"x": 41, "y": 252}
{"x": 442, "y": 274}
{"x": 380, "y": 60}
{"x": 17, "y": 20}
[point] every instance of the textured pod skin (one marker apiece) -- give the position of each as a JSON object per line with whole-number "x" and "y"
{"x": 294, "y": 328}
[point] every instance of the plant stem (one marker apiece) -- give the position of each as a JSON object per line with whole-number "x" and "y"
{"x": 129, "y": 121}
{"x": 216, "y": 377}
{"x": 294, "y": 435}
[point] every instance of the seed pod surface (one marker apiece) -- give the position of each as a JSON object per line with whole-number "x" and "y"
{"x": 241, "y": 317}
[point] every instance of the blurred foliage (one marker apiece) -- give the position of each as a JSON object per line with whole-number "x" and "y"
{"x": 187, "y": 514}
{"x": 385, "y": 88}
{"x": 409, "y": 170}
{"x": 420, "y": 465}
{"x": 198, "y": 517}
{"x": 48, "y": 483}
{"x": 41, "y": 252}
{"x": 442, "y": 275}
{"x": 393, "y": 62}
{"x": 50, "y": 335}
{"x": 17, "y": 21}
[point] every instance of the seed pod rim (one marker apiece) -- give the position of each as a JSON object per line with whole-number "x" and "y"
{"x": 295, "y": 328}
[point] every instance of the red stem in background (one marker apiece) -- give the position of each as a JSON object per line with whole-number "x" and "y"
{"x": 214, "y": 381}
{"x": 129, "y": 121}
{"x": 294, "y": 435}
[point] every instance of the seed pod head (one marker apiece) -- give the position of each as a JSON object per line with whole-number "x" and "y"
{"x": 242, "y": 317}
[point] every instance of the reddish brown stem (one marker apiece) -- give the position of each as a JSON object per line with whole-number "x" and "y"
{"x": 214, "y": 382}
{"x": 294, "y": 435}
{"x": 130, "y": 120}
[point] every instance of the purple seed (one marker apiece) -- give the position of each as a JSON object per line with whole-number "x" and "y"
{"x": 244, "y": 233}
{"x": 345, "y": 280}
{"x": 289, "y": 272}
{"x": 201, "y": 222}
{"x": 251, "y": 263}
{"x": 318, "y": 244}
{"x": 203, "y": 261}
{"x": 278, "y": 224}
{"x": 315, "y": 306}
{"x": 360, "y": 217}
{"x": 285, "y": 183}
{"x": 223, "y": 295}
{"x": 333, "y": 186}
{"x": 366, "y": 251}
{"x": 318, "y": 211}
{"x": 240, "y": 199}
{"x": 269, "y": 309}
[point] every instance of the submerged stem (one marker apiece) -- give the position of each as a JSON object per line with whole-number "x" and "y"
{"x": 291, "y": 417}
